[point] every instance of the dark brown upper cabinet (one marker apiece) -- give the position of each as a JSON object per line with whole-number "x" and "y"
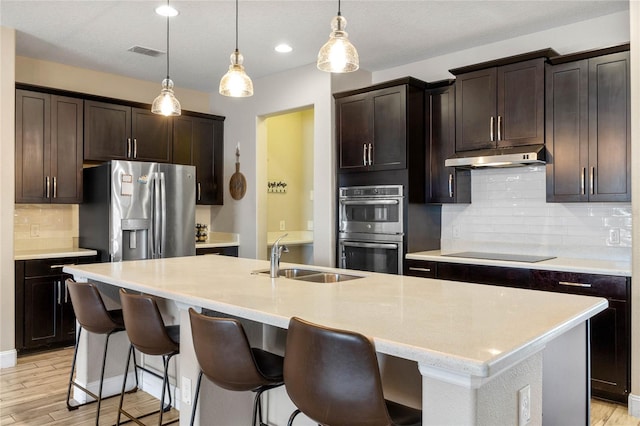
{"x": 121, "y": 132}
{"x": 501, "y": 103}
{"x": 445, "y": 184}
{"x": 381, "y": 127}
{"x": 588, "y": 128}
{"x": 199, "y": 141}
{"x": 48, "y": 148}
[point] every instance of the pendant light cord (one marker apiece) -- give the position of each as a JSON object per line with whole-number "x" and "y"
{"x": 167, "y": 44}
{"x": 236, "y": 25}
{"x": 339, "y": 14}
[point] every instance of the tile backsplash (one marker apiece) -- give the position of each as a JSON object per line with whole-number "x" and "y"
{"x": 509, "y": 214}
{"x": 44, "y": 226}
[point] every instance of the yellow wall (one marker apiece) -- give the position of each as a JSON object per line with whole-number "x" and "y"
{"x": 45, "y": 226}
{"x": 290, "y": 160}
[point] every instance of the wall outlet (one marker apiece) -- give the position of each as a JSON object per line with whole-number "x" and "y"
{"x": 282, "y": 225}
{"x": 456, "y": 232}
{"x": 309, "y": 225}
{"x": 311, "y": 195}
{"x": 614, "y": 236}
{"x": 524, "y": 406}
{"x": 35, "y": 230}
{"x": 185, "y": 392}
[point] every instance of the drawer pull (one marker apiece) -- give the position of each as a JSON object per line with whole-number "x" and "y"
{"x": 413, "y": 268}
{"x": 60, "y": 266}
{"x": 570, "y": 284}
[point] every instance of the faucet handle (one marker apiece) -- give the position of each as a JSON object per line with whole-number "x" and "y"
{"x": 284, "y": 248}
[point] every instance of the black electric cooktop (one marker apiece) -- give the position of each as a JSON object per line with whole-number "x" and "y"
{"x": 500, "y": 256}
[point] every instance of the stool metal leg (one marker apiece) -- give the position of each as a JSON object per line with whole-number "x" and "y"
{"x": 73, "y": 367}
{"x": 293, "y": 416}
{"x": 195, "y": 399}
{"x": 124, "y": 383}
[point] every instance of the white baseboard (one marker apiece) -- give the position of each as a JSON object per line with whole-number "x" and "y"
{"x": 8, "y": 358}
{"x": 153, "y": 386}
{"x": 634, "y": 405}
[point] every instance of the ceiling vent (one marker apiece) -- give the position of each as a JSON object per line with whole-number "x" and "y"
{"x": 146, "y": 51}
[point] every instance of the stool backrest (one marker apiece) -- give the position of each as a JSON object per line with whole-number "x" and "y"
{"x": 332, "y": 376}
{"x": 145, "y": 326}
{"x": 224, "y": 353}
{"x": 89, "y": 308}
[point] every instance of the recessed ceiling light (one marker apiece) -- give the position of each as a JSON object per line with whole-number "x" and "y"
{"x": 283, "y": 48}
{"x": 166, "y": 10}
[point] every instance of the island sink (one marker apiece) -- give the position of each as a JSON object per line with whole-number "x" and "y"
{"x": 311, "y": 275}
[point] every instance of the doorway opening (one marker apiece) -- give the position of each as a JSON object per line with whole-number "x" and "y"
{"x": 289, "y": 140}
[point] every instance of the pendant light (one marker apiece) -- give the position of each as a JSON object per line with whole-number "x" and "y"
{"x": 236, "y": 83}
{"x": 338, "y": 54}
{"x": 166, "y": 102}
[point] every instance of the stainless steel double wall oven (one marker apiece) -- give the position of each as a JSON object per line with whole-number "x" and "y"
{"x": 371, "y": 229}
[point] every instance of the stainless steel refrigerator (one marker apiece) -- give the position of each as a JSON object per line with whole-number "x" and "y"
{"x": 134, "y": 210}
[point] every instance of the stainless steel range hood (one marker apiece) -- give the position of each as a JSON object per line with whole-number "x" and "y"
{"x": 498, "y": 157}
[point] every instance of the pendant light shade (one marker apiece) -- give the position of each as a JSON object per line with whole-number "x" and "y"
{"x": 338, "y": 54}
{"x": 166, "y": 103}
{"x": 236, "y": 83}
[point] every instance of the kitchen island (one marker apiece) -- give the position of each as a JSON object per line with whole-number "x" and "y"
{"x": 475, "y": 346}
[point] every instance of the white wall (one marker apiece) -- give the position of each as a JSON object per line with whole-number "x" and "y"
{"x": 292, "y": 90}
{"x": 595, "y": 33}
{"x": 7, "y": 144}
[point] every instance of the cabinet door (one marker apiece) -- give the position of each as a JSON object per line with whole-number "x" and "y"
{"x": 67, "y": 316}
{"x": 609, "y": 128}
{"x": 475, "y": 110}
{"x": 567, "y": 131}
{"x": 353, "y": 123}
{"x": 66, "y": 149}
{"x": 389, "y": 108}
{"x": 183, "y": 132}
{"x": 41, "y": 311}
{"x": 107, "y": 131}
{"x": 206, "y": 135}
{"x": 610, "y": 339}
{"x": 33, "y": 140}
{"x": 520, "y": 119}
{"x": 447, "y": 184}
{"x": 150, "y": 133}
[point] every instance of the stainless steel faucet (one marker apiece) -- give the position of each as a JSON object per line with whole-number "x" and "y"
{"x": 276, "y": 252}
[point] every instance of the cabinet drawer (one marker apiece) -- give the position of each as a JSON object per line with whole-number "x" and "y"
{"x": 47, "y": 267}
{"x": 480, "y": 274}
{"x": 421, "y": 268}
{"x": 586, "y": 284}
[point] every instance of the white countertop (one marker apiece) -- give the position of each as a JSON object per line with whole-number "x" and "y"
{"x": 468, "y": 328}
{"x": 294, "y": 238}
{"x": 562, "y": 264}
{"x": 220, "y": 239}
{"x": 52, "y": 253}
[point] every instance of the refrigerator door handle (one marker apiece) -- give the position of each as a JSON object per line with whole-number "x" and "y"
{"x": 155, "y": 218}
{"x": 163, "y": 215}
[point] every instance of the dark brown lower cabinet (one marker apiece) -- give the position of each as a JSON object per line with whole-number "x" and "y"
{"x": 44, "y": 313}
{"x": 610, "y": 330}
{"x": 225, "y": 251}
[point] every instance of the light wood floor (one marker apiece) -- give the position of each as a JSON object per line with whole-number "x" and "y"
{"x": 34, "y": 392}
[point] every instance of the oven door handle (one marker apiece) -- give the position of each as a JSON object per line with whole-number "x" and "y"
{"x": 368, "y": 202}
{"x": 386, "y": 246}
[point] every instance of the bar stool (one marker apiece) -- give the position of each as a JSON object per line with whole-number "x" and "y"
{"x": 332, "y": 376}
{"x": 149, "y": 335}
{"x": 227, "y": 359}
{"x": 94, "y": 317}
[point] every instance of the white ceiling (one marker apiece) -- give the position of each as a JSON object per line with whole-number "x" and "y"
{"x": 96, "y": 34}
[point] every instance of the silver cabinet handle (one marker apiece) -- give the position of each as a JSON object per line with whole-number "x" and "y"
{"x": 370, "y": 149}
{"x": 582, "y": 180}
{"x": 66, "y": 292}
{"x": 199, "y": 192}
{"x": 55, "y": 187}
{"x": 128, "y": 147}
{"x": 413, "y": 268}
{"x": 47, "y": 187}
{"x": 592, "y": 179}
{"x": 450, "y": 185}
{"x": 570, "y": 284}
{"x": 499, "y": 127}
{"x": 369, "y": 202}
{"x": 491, "y": 128}
{"x": 60, "y": 266}
{"x": 135, "y": 148}
{"x": 59, "y": 294}
{"x": 364, "y": 154}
